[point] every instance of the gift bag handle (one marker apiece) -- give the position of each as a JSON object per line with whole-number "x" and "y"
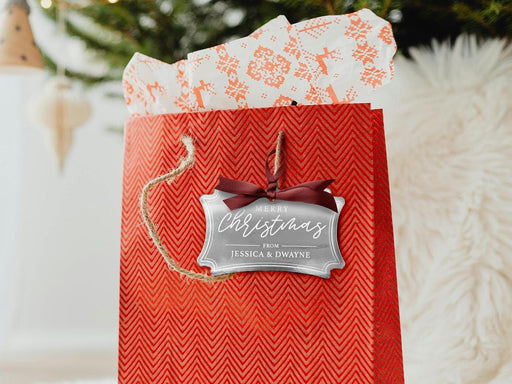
{"x": 185, "y": 163}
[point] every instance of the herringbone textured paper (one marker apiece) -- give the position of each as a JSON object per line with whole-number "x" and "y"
{"x": 261, "y": 327}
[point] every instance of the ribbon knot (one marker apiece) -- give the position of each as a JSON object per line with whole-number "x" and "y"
{"x": 311, "y": 192}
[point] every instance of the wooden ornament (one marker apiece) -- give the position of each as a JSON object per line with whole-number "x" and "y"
{"x": 18, "y": 50}
{"x": 59, "y": 109}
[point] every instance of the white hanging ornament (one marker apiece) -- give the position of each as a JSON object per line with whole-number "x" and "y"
{"x": 59, "y": 109}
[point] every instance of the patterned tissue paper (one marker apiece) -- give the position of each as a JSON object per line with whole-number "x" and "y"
{"x": 326, "y": 60}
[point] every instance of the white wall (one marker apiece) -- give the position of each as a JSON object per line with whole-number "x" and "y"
{"x": 59, "y": 233}
{"x": 11, "y": 139}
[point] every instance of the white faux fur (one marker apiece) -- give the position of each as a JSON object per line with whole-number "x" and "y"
{"x": 448, "y": 117}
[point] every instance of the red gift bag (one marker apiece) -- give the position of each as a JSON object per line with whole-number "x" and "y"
{"x": 258, "y": 327}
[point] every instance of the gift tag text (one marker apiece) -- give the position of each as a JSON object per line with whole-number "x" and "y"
{"x": 269, "y": 235}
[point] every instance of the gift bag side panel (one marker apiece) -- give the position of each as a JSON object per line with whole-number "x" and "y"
{"x": 150, "y": 150}
{"x": 388, "y": 344}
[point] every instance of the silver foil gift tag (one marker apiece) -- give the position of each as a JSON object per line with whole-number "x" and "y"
{"x": 267, "y": 235}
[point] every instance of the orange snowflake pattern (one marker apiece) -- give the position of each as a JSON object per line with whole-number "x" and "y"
{"x": 358, "y": 29}
{"x": 386, "y": 35}
{"x": 303, "y": 72}
{"x": 350, "y": 96}
{"x": 372, "y": 76}
{"x": 257, "y": 33}
{"x": 365, "y": 53}
{"x": 237, "y": 89}
{"x": 283, "y": 101}
{"x": 314, "y": 95}
{"x": 227, "y": 64}
{"x": 268, "y": 67}
{"x": 292, "y": 47}
{"x": 182, "y": 103}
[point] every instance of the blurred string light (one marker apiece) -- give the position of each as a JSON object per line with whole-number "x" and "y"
{"x": 46, "y": 3}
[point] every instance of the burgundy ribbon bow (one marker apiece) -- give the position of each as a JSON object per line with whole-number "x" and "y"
{"x": 311, "y": 192}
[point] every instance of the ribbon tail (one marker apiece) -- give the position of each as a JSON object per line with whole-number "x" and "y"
{"x": 329, "y": 201}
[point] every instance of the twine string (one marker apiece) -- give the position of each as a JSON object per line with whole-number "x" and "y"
{"x": 279, "y": 148}
{"x": 186, "y": 163}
